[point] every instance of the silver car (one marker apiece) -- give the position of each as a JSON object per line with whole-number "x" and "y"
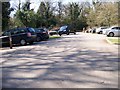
{"x": 100, "y": 30}
{"x": 113, "y": 31}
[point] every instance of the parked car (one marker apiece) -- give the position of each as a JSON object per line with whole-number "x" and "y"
{"x": 105, "y": 31}
{"x": 20, "y": 36}
{"x": 65, "y": 30}
{"x": 100, "y": 30}
{"x": 42, "y": 34}
{"x": 53, "y": 32}
{"x": 92, "y": 30}
{"x": 113, "y": 31}
{"x": 88, "y": 30}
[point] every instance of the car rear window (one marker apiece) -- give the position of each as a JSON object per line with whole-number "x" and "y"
{"x": 119, "y": 28}
{"x": 6, "y": 33}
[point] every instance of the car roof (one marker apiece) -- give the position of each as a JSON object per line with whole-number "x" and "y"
{"x": 115, "y": 26}
{"x": 17, "y": 28}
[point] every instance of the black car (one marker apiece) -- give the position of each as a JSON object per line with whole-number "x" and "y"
{"x": 42, "y": 34}
{"x": 65, "y": 30}
{"x": 20, "y": 36}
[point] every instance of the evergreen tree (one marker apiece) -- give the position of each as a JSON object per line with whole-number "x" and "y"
{"x": 5, "y": 15}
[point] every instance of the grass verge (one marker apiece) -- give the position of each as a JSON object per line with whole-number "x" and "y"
{"x": 54, "y": 37}
{"x": 114, "y": 40}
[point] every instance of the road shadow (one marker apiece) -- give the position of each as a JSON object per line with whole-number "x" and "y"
{"x": 70, "y": 67}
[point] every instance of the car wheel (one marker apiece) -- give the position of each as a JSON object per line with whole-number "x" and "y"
{"x": 101, "y": 32}
{"x": 60, "y": 34}
{"x": 38, "y": 39}
{"x": 48, "y": 37}
{"x": 67, "y": 33}
{"x": 23, "y": 42}
{"x": 111, "y": 34}
{"x": 74, "y": 32}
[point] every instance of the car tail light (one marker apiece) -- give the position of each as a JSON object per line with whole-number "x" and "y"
{"x": 29, "y": 34}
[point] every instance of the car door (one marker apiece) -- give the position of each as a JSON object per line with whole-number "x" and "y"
{"x": 115, "y": 31}
{"x": 15, "y": 36}
{"x": 118, "y": 31}
{"x": 18, "y": 34}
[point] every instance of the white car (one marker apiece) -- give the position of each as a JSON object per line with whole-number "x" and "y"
{"x": 113, "y": 31}
{"x": 105, "y": 31}
{"x": 100, "y": 30}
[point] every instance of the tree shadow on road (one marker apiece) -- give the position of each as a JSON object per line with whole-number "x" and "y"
{"x": 44, "y": 68}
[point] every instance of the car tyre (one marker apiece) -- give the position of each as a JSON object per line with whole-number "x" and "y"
{"x": 60, "y": 34}
{"x": 68, "y": 33}
{"x": 23, "y": 42}
{"x": 100, "y": 32}
{"x": 111, "y": 34}
{"x": 38, "y": 39}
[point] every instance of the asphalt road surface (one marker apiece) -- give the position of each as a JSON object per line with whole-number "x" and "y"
{"x": 73, "y": 61}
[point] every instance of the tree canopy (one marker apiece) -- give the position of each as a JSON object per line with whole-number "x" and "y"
{"x": 5, "y": 14}
{"x": 77, "y": 15}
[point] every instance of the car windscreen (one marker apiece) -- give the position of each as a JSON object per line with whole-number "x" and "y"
{"x": 63, "y": 27}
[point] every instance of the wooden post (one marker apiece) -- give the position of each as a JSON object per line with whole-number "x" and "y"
{"x": 10, "y": 41}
